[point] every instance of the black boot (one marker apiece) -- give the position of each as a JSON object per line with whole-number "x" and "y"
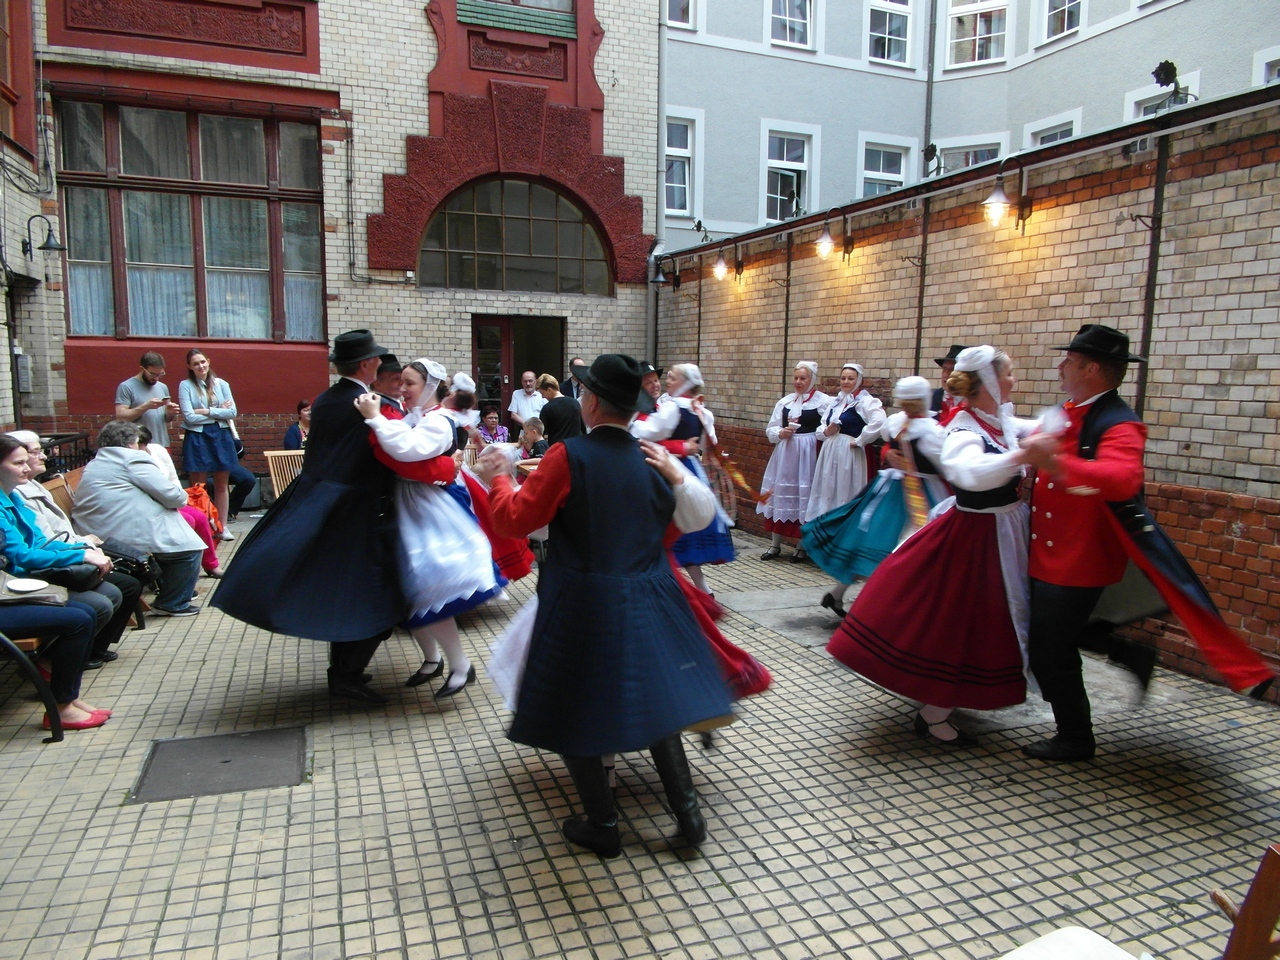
{"x": 1138, "y": 658}
{"x": 677, "y": 781}
{"x": 599, "y": 831}
{"x": 1074, "y": 739}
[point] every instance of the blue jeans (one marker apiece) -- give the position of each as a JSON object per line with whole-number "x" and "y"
{"x": 178, "y": 573}
{"x": 72, "y": 629}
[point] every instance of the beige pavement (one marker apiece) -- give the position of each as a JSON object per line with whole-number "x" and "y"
{"x": 422, "y": 832}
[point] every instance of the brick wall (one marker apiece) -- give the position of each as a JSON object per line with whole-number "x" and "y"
{"x": 1213, "y": 389}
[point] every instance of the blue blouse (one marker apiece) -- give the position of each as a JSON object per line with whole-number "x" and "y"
{"x": 25, "y": 546}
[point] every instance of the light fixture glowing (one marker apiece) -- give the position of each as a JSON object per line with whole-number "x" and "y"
{"x": 721, "y": 269}
{"x": 996, "y": 206}
{"x": 825, "y": 243}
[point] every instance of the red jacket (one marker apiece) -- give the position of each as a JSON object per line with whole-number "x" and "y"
{"x": 1073, "y": 539}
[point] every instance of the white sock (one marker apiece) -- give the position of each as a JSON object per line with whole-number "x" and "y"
{"x": 430, "y": 650}
{"x": 445, "y": 633}
{"x": 695, "y": 574}
{"x": 837, "y": 592}
{"x": 936, "y": 718}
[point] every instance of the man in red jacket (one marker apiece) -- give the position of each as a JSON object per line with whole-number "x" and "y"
{"x": 1076, "y": 549}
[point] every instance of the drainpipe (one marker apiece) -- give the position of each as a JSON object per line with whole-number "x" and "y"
{"x": 928, "y": 83}
{"x": 930, "y": 65}
{"x": 1153, "y": 268}
{"x": 659, "y": 213}
{"x": 786, "y": 321}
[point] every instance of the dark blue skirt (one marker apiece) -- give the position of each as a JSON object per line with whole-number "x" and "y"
{"x": 209, "y": 451}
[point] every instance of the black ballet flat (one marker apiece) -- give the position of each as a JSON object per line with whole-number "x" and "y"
{"x": 831, "y": 604}
{"x": 799, "y": 557}
{"x": 771, "y": 554}
{"x": 419, "y": 678}
{"x": 448, "y": 690}
{"x": 962, "y": 739}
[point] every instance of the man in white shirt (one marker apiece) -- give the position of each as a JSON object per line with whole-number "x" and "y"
{"x": 528, "y": 402}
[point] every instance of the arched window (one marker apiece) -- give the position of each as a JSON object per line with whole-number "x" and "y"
{"x": 513, "y": 235}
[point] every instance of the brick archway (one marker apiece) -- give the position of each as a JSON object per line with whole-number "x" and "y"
{"x": 513, "y": 131}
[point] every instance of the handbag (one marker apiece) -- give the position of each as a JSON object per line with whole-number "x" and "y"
{"x": 131, "y": 561}
{"x": 49, "y": 595}
{"x": 78, "y": 577}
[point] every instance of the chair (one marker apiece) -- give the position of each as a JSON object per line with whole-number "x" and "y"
{"x": 62, "y": 491}
{"x": 17, "y": 651}
{"x": 1255, "y": 921}
{"x": 284, "y": 467}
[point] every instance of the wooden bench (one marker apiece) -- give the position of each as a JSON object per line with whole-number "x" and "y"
{"x": 17, "y": 651}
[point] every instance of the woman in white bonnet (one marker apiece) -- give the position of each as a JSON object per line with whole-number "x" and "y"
{"x": 682, "y": 415}
{"x": 851, "y": 423}
{"x": 446, "y": 567}
{"x": 788, "y": 477}
{"x": 970, "y": 563}
{"x": 850, "y": 541}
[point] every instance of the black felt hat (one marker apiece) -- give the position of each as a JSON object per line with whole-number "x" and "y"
{"x": 614, "y": 377}
{"x": 354, "y": 346}
{"x": 951, "y": 355}
{"x": 1103, "y": 343}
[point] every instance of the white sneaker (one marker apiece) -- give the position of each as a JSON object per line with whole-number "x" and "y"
{"x": 225, "y": 535}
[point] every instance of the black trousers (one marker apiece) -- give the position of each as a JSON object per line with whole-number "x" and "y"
{"x": 1059, "y": 618}
{"x": 348, "y": 660}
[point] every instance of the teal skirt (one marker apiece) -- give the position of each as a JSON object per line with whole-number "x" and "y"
{"x": 850, "y": 541}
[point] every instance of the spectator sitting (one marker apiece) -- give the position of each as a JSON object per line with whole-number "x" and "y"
{"x": 490, "y": 430}
{"x": 124, "y": 495}
{"x": 68, "y": 632}
{"x": 54, "y": 526}
{"x": 196, "y": 519}
{"x": 27, "y": 550}
{"x": 532, "y": 444}
{"x": 295, "y": 438}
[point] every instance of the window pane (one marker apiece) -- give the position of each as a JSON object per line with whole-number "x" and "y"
{"x": 232, "y": 150}
{"x": 543, "y": 240}
{"x": 597, "y": 281}
{"x": 239, "y": 303}
{"x": 461, "y": 202}
{"x": 489, "y": 272}
{"x": 162, "y": 301}
{"x": 303, "y": 307}
{"x": 434, "y": 240}
{"x": 153, "y": 143}
{"x": 300, "y": 156}
{"x": 543, "y": 202}
{"x": 462, "y": 270}
{"x": 83, "y": 145}
{"x": 489, "y": 234}
{"x": 677, "y": 184}
{"x": 678, "y": 136}
{"x": 515, "y": 198}
{"x": 89, "y": 291}
{"x": 777, "y": 150}
{"x": 461, "y": 231}
{"x": 431, "y": 269}
{"x": 489, "y": 197}
{"x": 571, "y": 276}
{"x": 536, "y": 274}
{"x": 678, "y": 11}
{"x": 235, "y": 233}
{"x": 516, "y": 238}
{"x": 87, "y": 224}
{"x": 157, "y": 228}
{"x": 594, "y": 249}
{"x": 302, "y": 249}
{"x": 795, "y": 150}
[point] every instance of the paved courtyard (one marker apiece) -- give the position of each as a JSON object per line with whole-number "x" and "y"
{"x": 420, "y": 831}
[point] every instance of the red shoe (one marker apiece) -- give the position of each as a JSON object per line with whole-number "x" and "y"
{"x": 96, "y": 719}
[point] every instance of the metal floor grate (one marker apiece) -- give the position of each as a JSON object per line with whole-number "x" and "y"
{"x": 225, "y": 763}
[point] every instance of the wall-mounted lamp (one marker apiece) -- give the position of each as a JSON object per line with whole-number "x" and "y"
{"x": 848, "y": 241}
{"x": 50, "y": 245}
{"x": 996, "y": 206}
{"x": 825, "y": 242}
{"x": 721, "y": 269}
{"x": 660, "y": 278}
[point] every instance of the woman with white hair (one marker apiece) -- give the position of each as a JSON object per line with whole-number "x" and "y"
{"x": 682, "y": 416}
{"x": 944, "y": 618}
{"x": 445, "y": 564}
{"x": 851, "y": 423}
{"x": 788, "y": 477}
{"x": 850, "y": 541}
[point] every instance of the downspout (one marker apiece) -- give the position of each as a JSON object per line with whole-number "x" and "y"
{"x": 930, "y": 66}
{"x": 1153, "y": 268}
{"x": 786, "y": 322}
{"x": 659, "y": 213}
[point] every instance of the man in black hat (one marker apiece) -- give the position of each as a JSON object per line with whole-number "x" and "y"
{"x": 322, "y": 563}
{"x": 617, "y": 662}
{"x": 1087, "y": 523}
{"x": 943, "y": 402}
{"x": 387, "y": 384}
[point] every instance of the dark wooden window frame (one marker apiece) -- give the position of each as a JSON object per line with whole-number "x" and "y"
{"x": 196, "y": 190}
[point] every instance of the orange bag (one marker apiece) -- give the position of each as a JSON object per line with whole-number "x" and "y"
{"x": 198, "y": 497}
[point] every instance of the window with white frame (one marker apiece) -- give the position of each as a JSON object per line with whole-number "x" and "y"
{"x": 883, "y": 169}
{"x": 1271, "y": 72}
{"x": 787, "y": 176}
{"x": 1063, "y": 131}
{"x": 790, "y": 22}
{"x": 958, "y": 158}
{"x": 680, "y": 13}
{"x": 976, "y": 31}
{"x": 887, "y": 35}
{"x": 679, "y": 167}
{"x": 1063, "y": 16}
